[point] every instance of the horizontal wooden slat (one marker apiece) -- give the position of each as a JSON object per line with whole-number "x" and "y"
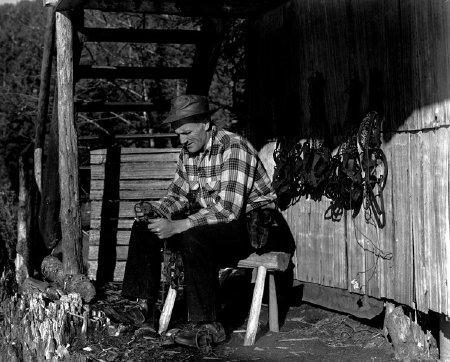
{"x": 126, "y": 35}
{"x": 136, "y": 171}
{"x": 123, "y": 237}
{"x": 117, "y": 107}
{"x": 130, "y": 136}
{"x": 126, "y": 209}
{"x": 146, "y": 194}
{"x": 139, "y": 155}
{"x": 122, "y": 223}
{"x": 119, "y": 270}
{"x": 132, "y": 151}
{"x": 125, "y": 217}
{"x": 119, "y": 72}
{"x": 121, "y": 252}
{"x": 135, "y": 185}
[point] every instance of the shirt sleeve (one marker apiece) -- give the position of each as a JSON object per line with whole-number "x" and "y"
{"x": 236, "y": 178}
{"x": 176, "y": 198}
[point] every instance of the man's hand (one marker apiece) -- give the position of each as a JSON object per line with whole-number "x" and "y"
{"x": 164, "y": 228}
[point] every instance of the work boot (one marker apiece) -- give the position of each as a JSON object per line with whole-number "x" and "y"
{"x": 148, "y": 309}
{"x": 201, "y": 335}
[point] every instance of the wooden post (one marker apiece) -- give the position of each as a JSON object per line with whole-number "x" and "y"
{"x": 22, "y": 261}
{"x": 44, "y": 95}
{"x": 206, "y": 54}
{"x": 252, "y": 325}
{"x": 273, "y": 305}
{"x": 68, "y": 152}
{"x": 166, "y": 313}
{"x": 49, "y": 208}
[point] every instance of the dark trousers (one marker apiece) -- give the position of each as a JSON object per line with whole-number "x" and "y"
{"x": 204, "y": 250}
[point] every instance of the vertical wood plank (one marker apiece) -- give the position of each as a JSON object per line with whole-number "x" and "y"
{"x": 446, "y": 260}
{"x": 411, "y": 58}
{"x": 417, "y": 212}
{"x": 341, "y": 251}
{"x": 441, "y": 218}
{"x": 327, "y": 242}
{"x": 356, "y": 254}
{"x": 386, "y": 277}
{"x": 428, "y": 222}
{"x": 401, "y": 235}
{"x": 316, "y": 237}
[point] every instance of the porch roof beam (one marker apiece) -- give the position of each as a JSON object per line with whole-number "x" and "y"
{"x": 194, "y": 8}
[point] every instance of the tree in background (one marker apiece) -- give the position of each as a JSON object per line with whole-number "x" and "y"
{"x": 21, "y": 37}
{"x": 21, "y": 31}
{"x": 227, "y": 89}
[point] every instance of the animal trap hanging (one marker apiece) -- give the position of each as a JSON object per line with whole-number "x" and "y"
{"x": 354, "y": 177}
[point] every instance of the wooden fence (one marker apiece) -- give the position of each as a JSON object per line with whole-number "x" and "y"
{"x": 119, "y": 181}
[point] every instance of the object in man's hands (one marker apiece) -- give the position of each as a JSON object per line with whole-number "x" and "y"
{"x": 145, "y": 211}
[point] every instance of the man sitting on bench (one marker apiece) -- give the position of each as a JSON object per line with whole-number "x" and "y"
{"x": 221, "y": 174}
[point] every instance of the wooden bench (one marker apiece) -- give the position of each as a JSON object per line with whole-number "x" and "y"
{"x": 264, "y": 264}
{"x": 122, "y": 177}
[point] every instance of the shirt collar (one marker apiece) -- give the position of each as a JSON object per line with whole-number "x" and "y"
{"x": 211, "y": 142}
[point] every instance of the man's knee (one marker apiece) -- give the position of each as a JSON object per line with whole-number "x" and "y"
{"x": 193, "y": 242}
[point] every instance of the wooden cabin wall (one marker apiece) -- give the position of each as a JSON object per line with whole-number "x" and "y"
{"x": 383, "y": 55}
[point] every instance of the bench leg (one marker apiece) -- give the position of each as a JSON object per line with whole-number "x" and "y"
{"x": 166, "y": 313}
{"x": 255, "y": 310}
{"x": 273, "y": 305}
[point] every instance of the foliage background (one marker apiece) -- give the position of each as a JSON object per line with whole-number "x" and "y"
{"x": 22, "y": 28}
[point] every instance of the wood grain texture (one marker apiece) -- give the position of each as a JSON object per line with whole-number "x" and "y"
{"x": 402, "y": 71}
{"x": 68, "y": 151}
{"x": 271, "y": 261}
{"x": 139, "y": 174}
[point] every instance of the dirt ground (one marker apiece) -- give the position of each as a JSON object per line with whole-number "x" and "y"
{"x": 308, "y": 333}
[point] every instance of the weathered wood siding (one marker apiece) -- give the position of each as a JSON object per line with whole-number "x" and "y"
{"x": 398, "y": 54}
{"x": 120, "y": 178}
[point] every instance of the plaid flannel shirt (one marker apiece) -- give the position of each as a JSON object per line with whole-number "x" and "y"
{"x": 227, "y": 180}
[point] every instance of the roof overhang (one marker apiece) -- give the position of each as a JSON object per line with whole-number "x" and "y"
{"x": 194, "y": 8}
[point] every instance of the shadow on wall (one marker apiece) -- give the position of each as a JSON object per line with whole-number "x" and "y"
{"x": 109, "y": 217}
{"x": 316, "y": 69}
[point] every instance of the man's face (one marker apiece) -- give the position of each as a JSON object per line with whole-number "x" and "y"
{"x": 193, "y": 136}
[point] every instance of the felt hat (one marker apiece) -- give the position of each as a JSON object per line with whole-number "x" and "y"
{"x": 188, "y": 108}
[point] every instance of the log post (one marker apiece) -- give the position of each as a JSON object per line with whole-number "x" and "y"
{"x": 44, "y": 95}
{"x": 68, "y": 152}
{"x": 206, "y": 54}
{"x": 22, "y": 261}
{"x": 49, "y": 208}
